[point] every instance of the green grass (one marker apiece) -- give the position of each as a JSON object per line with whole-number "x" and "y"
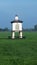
{"x": 18, "y": 51}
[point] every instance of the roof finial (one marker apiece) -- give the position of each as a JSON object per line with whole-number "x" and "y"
{"x": 16, "y": 17}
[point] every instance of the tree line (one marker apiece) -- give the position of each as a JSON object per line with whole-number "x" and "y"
{"x": 5, "y": 29}
{"x": 33, "y": 29}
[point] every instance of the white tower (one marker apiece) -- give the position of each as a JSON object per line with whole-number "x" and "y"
{"x": 16, "y": 26}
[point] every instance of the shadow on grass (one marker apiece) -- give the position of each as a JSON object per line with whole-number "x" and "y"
{"x": 16, "y": 37}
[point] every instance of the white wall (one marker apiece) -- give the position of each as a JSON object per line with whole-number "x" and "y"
{"x": 14, "y": 26}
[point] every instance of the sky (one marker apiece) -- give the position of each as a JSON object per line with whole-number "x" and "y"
{"x": 25, "y": 9}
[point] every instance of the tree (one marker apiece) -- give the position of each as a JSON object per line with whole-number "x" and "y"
{"x": 35, "y": 27}
{"x": 6, "y": 29}
{"x": 0, "y": 29}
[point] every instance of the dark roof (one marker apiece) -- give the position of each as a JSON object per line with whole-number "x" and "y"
{"x": 16, "y": 21}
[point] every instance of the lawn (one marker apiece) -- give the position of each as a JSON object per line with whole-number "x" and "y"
{"x": 18, "y": 51}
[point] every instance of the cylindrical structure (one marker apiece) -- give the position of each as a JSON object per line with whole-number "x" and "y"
{"x": 13, "y": 35}
{"x": 20, "y": 34}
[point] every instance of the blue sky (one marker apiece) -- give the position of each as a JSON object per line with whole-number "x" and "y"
{"x": 25, "y": 9}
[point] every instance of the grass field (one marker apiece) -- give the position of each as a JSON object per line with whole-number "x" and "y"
{"x": 18, "y": 51}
